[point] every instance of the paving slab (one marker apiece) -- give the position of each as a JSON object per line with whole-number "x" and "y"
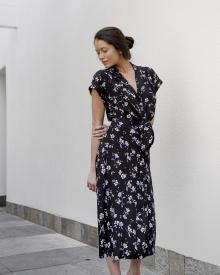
{"x": 3, "y": 209}
{"x": 21, "y": 245}
{"x": 49, "y": 258}
{"x": 4, "y": 269}
{"x": 13, "y": 223}
{"x": 5, "y": 217}
{"x": 24, "y": 231}
{"x": 55, "y": 270}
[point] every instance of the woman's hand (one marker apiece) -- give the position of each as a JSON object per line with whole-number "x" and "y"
{"x": 100, "y": 131}
{"x": 91, "y": 181}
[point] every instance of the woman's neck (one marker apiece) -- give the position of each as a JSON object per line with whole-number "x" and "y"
{"x": 124, "y": 66}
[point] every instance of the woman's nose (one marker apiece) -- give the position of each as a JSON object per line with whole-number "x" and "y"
{"x": 101, "y": 56}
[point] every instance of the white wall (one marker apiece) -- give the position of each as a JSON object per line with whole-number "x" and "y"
{"x": 49, "y": 112}
{"x": 8, "y": 23}
{"x": 8, "y": 13}
{"x": 2, "y": 132}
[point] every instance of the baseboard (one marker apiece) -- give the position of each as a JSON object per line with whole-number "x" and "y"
{"x": 163, "y": 262}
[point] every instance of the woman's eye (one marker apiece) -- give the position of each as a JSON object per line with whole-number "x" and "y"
{"x": 102, "y": 51}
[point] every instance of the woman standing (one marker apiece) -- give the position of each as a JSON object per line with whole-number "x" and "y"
{"x": 120, "y": 159}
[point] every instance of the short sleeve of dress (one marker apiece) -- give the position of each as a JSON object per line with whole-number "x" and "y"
{"x": 154, "y": 80}
{"x": 154, "y": 84}
{"x": 99, "y": 85}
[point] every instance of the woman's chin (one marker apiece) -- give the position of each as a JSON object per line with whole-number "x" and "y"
{"x": 107, "y": 65}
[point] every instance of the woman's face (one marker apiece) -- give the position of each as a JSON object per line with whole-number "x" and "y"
{"x": 107, "y": 53}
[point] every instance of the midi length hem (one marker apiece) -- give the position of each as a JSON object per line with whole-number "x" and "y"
{"x": 117, "y": 258}
{"x": 125, "y": 199}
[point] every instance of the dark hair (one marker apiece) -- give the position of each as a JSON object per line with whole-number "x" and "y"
{"x": 114, "y": 36}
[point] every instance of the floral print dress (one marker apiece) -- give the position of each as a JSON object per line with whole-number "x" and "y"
{"x": 125, "y": 199}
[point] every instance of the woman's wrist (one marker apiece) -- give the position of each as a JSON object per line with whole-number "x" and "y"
{"x": 92, "y": 169}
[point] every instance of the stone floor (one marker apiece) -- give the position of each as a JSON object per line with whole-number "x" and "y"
{"x": 30, "y": 249}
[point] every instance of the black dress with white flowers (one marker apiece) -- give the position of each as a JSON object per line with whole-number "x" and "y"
{"x": 125, "y": 199}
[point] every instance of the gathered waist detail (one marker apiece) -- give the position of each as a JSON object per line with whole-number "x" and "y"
{"x": 132, "y": 121}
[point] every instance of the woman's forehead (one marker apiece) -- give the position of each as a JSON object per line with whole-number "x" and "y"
{"x": 99, "y": 44}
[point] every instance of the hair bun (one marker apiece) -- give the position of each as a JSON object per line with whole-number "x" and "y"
{"x": 130, "y": 41}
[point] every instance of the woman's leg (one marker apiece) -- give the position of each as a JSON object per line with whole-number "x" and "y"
{"x": 113, "y": 266}
{"x": 135, "y": 267}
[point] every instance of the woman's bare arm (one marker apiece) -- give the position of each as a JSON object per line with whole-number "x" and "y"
{"x": 98, "y": 112}
{"x": 152, "y": 121}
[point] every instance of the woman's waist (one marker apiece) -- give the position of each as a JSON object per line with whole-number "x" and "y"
{"x": 130, "y": 120}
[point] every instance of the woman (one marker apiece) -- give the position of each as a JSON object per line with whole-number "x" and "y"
{"x": 120, "y": 158}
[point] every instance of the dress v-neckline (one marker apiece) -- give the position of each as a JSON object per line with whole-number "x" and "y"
{"x": 135, "y": 74}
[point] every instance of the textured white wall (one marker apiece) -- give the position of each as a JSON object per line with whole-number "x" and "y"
{"x": 8, "y": 20}
{"x": 8, "y": 13}
{"x": 49, "y": 111}
{"x": 2, "y": 132}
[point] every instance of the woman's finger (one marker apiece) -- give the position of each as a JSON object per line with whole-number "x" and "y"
{"x": 92, "y": 187}
{"x": 98, "y": 127}
{"x": 100, "y": 134}
{"x": 97, "y": 133}
{"x": 100, "y": 131}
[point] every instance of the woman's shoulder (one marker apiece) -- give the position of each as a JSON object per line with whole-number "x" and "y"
{"x": 105, "y": 75}
{"x": 99, "y": 80}
{"x": 145, "y": 68}
{"x": 149, "y": 71}
{"x": 98, "y": 73}
{"x": 101, "y": 74}
{"x": 152, "y": 76}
